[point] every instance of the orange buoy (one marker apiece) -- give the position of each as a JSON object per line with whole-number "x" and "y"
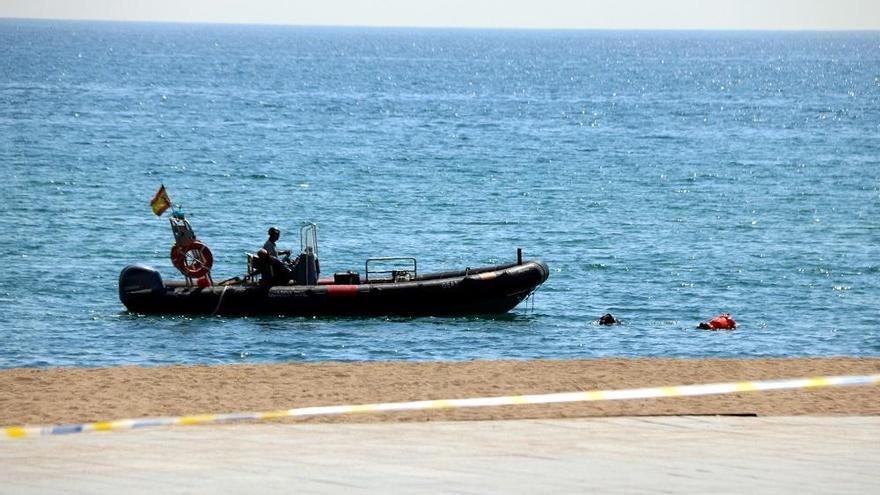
{"x": 722, "y": 322}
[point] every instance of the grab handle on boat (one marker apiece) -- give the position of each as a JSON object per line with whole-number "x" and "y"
{"x": 519, "y": 256}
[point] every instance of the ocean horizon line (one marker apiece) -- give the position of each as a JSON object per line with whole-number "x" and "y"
{"x": 442, "y": 28}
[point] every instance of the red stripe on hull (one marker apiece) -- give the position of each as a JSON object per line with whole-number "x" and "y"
{"x": 342, "y": 290}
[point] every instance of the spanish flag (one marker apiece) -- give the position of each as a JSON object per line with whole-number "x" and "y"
{"x": 161, "y": 201}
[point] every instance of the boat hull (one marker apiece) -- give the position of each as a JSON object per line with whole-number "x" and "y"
{"x": 491, "y": 290}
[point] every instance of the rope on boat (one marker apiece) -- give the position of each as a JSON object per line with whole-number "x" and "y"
{"x": 220, "y": 301}
{"x": 598, "y": 395}
{"x": 531, "y": 298}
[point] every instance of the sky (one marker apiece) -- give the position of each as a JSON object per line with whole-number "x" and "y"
{"x": 541, "y": 14}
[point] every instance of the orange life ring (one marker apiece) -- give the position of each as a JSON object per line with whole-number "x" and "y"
{"x": 193, "y": 260}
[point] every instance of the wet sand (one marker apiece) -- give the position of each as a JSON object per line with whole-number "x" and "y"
{"x": 78, "y": 395}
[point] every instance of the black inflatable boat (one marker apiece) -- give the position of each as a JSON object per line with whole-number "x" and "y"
{"x": 387, "y": 288}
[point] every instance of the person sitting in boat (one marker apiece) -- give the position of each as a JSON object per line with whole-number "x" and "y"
{"x": 275, "y": 271}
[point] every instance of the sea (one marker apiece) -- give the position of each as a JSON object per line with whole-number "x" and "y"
{"x": 665, "y": 177}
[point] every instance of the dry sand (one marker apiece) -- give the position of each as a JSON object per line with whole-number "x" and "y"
{"x": 77, "y": 395}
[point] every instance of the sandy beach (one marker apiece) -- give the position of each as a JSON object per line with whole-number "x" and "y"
{"x": 76, "y": 395}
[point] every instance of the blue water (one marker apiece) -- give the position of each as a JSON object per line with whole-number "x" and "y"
{"x": 665, "y": 177}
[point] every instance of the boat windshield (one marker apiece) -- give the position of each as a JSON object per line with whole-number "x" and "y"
{"x": 308, "y": 236}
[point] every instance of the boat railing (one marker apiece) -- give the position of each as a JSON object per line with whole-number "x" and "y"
{"x": 398, "y": 273}
{"x": 308, "y": 238}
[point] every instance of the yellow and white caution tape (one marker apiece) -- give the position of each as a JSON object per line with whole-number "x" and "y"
{"x": 598, "y": 395}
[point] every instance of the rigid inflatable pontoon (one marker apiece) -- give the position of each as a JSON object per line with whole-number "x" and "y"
{"x": 395, "y": 291}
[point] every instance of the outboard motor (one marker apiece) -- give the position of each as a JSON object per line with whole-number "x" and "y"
{"x": 137, "y": 278}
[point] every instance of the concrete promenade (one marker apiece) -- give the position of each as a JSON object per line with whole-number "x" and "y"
{"x": 672, "y": 454}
